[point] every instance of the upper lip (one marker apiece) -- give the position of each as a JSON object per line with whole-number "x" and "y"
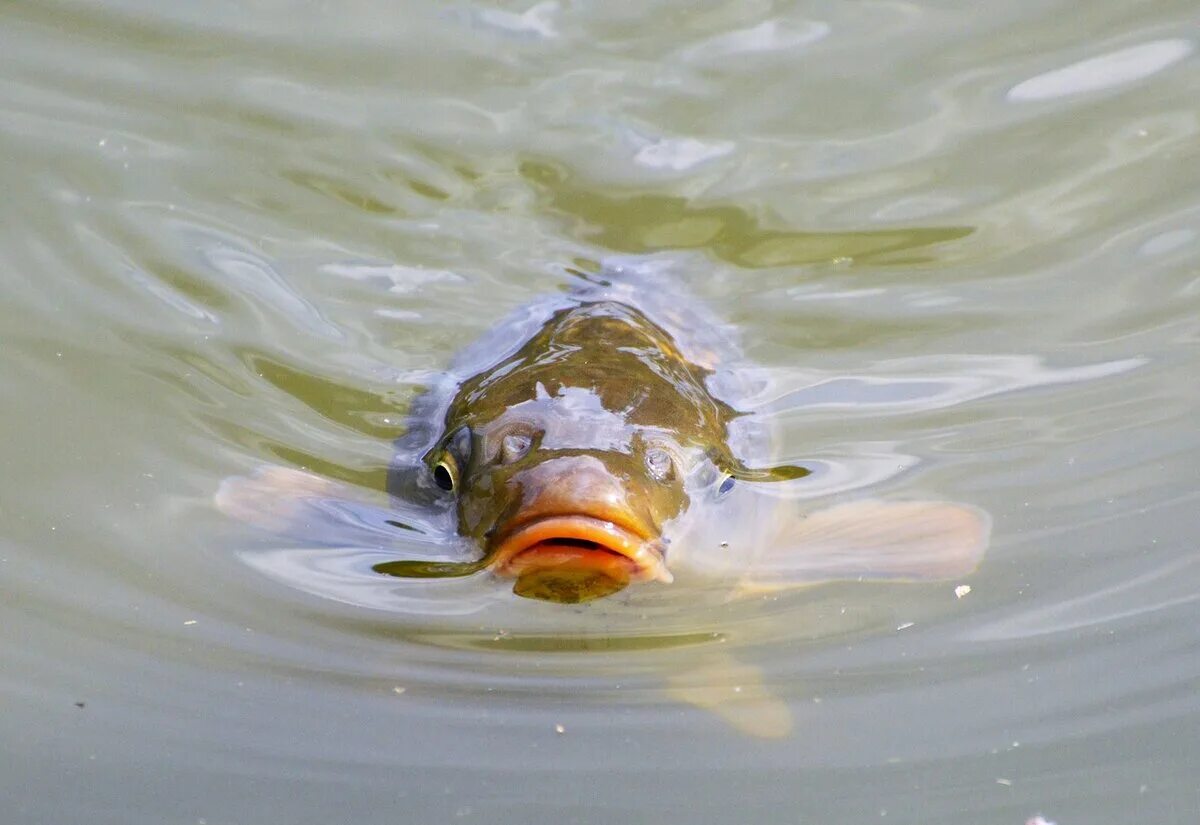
{"x": 623, "y": 538}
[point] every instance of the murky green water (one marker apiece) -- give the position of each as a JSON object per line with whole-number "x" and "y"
{"x": 962, "y": 242}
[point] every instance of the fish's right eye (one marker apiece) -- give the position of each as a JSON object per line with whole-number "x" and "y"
{"x": 445, "y": 473}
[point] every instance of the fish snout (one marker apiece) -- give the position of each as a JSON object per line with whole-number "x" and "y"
{"x": 573, "y": 516}
{"x": 569, "y": 485}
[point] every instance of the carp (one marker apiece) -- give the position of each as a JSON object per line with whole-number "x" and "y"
{"x": 589, "y": 442}
{"x": 597, "y": 440}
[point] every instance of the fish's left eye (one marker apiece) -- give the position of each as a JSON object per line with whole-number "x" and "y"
{"x": 726, "y": 486}
{"x": 659, "y": 463}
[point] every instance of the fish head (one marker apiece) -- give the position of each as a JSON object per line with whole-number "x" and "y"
{"x": 565, "y": 496}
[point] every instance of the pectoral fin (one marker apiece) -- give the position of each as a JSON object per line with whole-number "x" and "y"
{"x": 304, "y": 506}
{"x": 873, "y": 540}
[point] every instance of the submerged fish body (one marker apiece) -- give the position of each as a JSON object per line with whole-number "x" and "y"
{"x": 594, "y": 441}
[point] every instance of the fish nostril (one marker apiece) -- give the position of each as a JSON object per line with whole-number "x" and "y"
{"x": 514, "y": 446}
{"x": 659, "y": 462}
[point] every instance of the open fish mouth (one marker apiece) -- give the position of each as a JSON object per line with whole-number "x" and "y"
{"x": 574, "y": 544}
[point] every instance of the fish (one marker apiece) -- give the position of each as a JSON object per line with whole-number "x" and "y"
{"x": 596, "y": 440}
{"x": 572, "y": 458}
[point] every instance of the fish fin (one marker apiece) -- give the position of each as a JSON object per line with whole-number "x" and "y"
{"x": 872, "y": 540}
{"x": 734, "y": 691}
{"x": 305, "y": 506}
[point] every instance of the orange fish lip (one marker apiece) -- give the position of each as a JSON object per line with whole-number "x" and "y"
{"x": 555, "y": 538}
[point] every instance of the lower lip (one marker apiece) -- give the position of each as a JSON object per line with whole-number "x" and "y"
{"x": 547, "y": 554}
{"x": 567, "y": 573}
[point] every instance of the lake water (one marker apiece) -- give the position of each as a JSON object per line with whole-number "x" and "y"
{"x": 961, "y": 241}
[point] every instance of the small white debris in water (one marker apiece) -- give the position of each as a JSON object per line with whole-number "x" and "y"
{"x": 1039, "y": 820}
{"x": 559, "y": 729}
{"x": 1005, "y": 782}
{"x": 962, "y": 590}
{"x": 905, "y": 626}
{"x": 678, "y": 154}
{"x": 399, "y": 690}
{"x": 190, "y": 622}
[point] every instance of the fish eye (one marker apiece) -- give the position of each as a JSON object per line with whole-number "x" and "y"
{"x": 726, "y": 486}
{"x": 659, "y": 463}
{"x": 514, "y": 446}
{"x": 445, "y": 473}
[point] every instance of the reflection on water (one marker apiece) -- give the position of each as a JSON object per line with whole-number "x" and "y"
{"x": 577, "y": 644}
{"x": 649, "y": 223}
{"x": 1104, "y": 71}
{"x": 960, "y": 248}
{"x": 928, "y": 383}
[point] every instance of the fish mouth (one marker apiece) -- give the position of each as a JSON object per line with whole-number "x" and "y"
{"x": 580, "y": 542}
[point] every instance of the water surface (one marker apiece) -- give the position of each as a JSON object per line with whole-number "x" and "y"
{"x": 962, "y": 244}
